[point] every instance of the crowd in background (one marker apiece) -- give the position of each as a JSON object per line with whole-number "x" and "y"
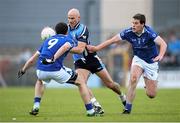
{"x": 172, "y": 56}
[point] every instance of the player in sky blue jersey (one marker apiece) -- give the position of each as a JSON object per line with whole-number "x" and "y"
{"x": 56, "y": 71}
{"x": 86, "y": 62}
{"x": 146, "y": 56}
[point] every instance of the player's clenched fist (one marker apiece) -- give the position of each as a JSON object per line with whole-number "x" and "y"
{"x": 20, "y": 73}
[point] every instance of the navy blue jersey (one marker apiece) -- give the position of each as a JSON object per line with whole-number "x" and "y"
{"x": 49, "y": 48}
{"x": 80, "y": 33}
{"x": 143, "y": 46}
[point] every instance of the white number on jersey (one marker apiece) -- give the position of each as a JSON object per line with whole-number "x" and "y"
{"x": 52, "y": 42}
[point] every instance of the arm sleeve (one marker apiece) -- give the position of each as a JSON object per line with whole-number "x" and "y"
{"x": 71, "y": 43}
{"x": 83, "y": 37}
{"x": 40, "y": 48}
{"x": 123, "y": 35}
{"x": 153, "y": 34}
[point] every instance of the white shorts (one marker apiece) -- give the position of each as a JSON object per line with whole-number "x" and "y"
{"x": 150, "y": 70}
{"x": 61, "y": 76}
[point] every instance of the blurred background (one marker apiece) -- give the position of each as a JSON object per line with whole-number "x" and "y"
{"x": 21, "y": 22}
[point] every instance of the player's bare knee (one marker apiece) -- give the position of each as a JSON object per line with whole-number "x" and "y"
{"x": 151, "y": 94}
{"x": 133, "y": 79}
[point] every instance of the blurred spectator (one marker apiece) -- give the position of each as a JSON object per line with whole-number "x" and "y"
{"x": 24, "y": 56}
{"x": 174, "y": 48}
{"x": 4, "y": 65}
{"x": 174, "y": 44}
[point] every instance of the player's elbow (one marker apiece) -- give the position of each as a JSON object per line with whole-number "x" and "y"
{"x": 164, "y": 44}
{"x": 31, "y": 62}
{"x": 80, "y": 50}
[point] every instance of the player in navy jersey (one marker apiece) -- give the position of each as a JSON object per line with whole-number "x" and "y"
{"x": 86, "y": 62}
{"x": 146, "y": 56}
{"x": 56, "y": 71}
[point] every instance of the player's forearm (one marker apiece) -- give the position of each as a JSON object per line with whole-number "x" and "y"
{"x": 104, "y": 44}
{"x": 162, "y": 49}
{"x": 31, "y": 61}
{"x": 27, "y": 65}
{"x": 61, "y": 51}
{"x": 76, "y": 50}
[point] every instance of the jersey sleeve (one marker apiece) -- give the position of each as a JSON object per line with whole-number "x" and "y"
{"x": 83, "y": 36}
{"x": 40, "y": 48}
{"x": 71, "y": 42}
{"x": 153, "y": 35}
{"x": 123, "y": 35}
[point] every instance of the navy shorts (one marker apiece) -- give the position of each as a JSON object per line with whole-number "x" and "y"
{"x": 91, "y": 63}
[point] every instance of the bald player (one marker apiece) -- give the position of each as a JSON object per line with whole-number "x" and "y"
{"x": 87, "y": 63}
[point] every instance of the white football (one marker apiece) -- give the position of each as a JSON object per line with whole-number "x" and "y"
{"x": 47, "y": 32}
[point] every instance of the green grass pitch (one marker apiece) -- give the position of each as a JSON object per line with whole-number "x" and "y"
{"x": 65, "y": 105}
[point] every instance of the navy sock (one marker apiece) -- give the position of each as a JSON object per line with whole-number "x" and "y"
{"x": 89, "y": 106}
{"x": 37, "y": 99}
{"x": 128, "y": 106}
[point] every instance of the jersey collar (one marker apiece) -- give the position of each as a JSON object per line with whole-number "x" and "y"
{"x": 76, "y": 26}
{"x": 143, "y": 31}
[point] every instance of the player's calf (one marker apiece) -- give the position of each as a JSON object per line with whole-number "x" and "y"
{"x": 123, "y": 99}
{"x": 151, "y": 95}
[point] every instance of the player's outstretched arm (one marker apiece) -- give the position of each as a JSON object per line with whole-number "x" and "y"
{"x": 163, "y": 46}
{"x": 103, "y": 45}
{"x": 28, "y": 64}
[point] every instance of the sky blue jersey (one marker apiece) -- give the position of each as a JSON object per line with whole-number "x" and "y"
{"x": 49, "y": 48}
{"x": 143, "y": 46}
{"x": 80, "y": 33}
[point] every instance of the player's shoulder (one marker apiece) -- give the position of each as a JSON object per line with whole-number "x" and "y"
{"x": 58, "y": 37}
{"x": 54, "y": 36}
{"x": 150, "y": 31}
{"x": 81, "y": 27}
{"x": 126, "y": 31}
{"x": 68, "y": 37}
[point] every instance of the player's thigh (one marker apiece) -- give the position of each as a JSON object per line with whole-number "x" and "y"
{"x": 136, "y": 72}
{"x": 105, "y": 76}
{"x": 151, "y": 85}
{"x": 83, "y": 75}
{"x": 151, "y": 71}
{"x": 61, "y": 76}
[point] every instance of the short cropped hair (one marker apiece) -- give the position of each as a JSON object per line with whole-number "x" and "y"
{"x": 140, "y": 17}
{"x": 61, "y": 28}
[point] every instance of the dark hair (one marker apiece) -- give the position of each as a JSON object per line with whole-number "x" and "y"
{"x": 61, "y": 28}
{"x": 140, "y": 17}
